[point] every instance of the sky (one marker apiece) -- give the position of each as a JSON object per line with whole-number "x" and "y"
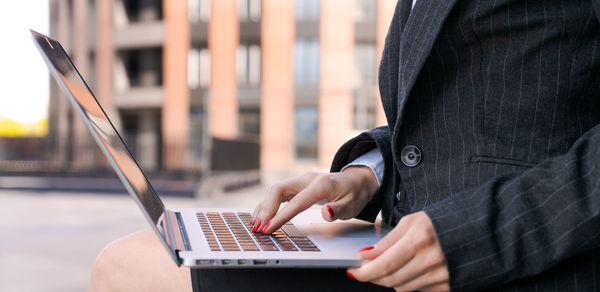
{"x": 24, "y": 77}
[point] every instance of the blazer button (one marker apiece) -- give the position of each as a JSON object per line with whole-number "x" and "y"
{"x": 398, "y": 196}
{"x": 411, "y": 156}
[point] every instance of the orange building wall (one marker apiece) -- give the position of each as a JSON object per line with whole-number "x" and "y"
{"x": 105, "y": 54}
{"x": 176, "y": 106}
{"x": 277, "y": 100}
{"x": 336, "y": 100}
{"x": 80, "y": 57}
{"x": 223, "y": 38}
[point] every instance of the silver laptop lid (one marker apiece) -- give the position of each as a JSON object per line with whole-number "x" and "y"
{"x": 107, "y": 137}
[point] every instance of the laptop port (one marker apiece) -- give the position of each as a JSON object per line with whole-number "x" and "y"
{"x": 259, "y": 262}
{"x": 226, "y": 262}
{"x": 241, "y": 262}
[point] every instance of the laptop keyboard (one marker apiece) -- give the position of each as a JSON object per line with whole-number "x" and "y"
{"x": 229, "y": 231}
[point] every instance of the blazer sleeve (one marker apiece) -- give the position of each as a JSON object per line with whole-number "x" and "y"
{"x": 359, "y": 145}
{"x": 521, "y": 224}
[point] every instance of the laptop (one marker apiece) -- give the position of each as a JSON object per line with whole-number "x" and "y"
{"x": 208, "y": 237}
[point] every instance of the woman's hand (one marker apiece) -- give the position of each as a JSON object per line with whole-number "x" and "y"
{"x": 346, "y": 192}
{"x": 408, "y": 258}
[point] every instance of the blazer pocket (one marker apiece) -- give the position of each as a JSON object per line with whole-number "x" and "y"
{"x": 482, "y": 168}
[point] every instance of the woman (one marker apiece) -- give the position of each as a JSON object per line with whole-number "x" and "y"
{"x": 488, "y": 167}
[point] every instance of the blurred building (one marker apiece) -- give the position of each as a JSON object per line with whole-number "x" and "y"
{"x": 298, "y": 77}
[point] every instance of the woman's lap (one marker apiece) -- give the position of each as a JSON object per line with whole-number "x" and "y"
{"x": 277, "y": 280}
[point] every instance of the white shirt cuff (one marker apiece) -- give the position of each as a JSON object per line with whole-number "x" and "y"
{"x": 373, "y": 160}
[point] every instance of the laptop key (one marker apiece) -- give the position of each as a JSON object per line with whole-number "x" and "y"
{"x": 270, "y": 248}
{"x": 208, "y": 232}
{"x": 292, "y": 231}
{"x": 239, "y": 231}
{"x": 233, "y": 233}
{"x": 222, "y": 231}
{"x": 310, "y": 249}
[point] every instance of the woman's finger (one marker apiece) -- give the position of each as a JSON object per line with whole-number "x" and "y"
{"x": 443, "y": 287}
{"x": 393, "y": 258}
{"x": 320, "y": 188}
{"x": 432, "y": 280}
{"x": 411, "y": 274}
{"x": 276, "y": 194}
{"x": 372, "y": 252}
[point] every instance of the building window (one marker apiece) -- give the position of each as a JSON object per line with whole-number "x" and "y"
{"x": 196, "y": 135}
{"x": 249, "y": 10}
{"x": 365, "y": 65}
{"x": 364, "y": 84}
{"x": 199, "y": 67}
{"x": 130, "y": 131}
{"x": 365, "y": 11}
{"x": 306, "y": 132}
{"x": 138, "y": 68}
{"x": 248, "y": 65}
{"x": 141, "y": 132}
{"x": 249, "y": 122}
{"x": 364, "y": 108}
{"x": 141, "y": 10}
{"x": 307, "y": 10}
{"x": 199, "y": 10}
{"x": 306, "y": 61}
{"x": 91, "y": 72}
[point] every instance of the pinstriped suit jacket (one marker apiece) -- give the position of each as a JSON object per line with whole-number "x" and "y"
{"x": 501, "y": 97}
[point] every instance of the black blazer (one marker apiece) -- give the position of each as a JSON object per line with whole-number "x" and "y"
{"x": 500, "y": 97}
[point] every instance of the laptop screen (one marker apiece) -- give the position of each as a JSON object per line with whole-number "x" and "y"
{"x": 100, "y": 127}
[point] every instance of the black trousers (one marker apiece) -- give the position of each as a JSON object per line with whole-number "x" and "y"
{"x": 311, "y": 280}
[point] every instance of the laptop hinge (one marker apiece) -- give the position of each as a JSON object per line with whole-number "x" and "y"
{"x": 177, "y": 236}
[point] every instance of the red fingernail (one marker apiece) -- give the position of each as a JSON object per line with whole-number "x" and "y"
{"x": 265, "y": 228}
{"x": 330, "y": 211}
{"x": 252, "y": 220}
{"x": 350, "y": 276}
{"x": 256, "y": 225}
{"x": 366, "y": 248}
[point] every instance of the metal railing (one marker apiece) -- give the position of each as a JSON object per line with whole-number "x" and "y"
{"x": 57, "y": 154}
